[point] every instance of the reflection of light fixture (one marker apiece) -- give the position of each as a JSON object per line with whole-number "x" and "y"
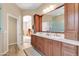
{"x": 27, "y": 18}
{"x": 51, "y": 7}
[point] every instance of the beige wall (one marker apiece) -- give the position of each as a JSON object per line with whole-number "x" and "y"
{"x": 29, "y": 12}
{"x": 1, "y": 43}
{"x": 38, "y": 10}
{"x": 14, "y": 10}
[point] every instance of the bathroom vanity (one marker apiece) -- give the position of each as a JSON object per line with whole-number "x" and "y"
{"x": 52, "y": 44}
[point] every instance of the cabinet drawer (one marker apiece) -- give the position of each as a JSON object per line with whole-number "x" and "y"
{"x": 69, "y": 50}
{"x": 65, "y": 45}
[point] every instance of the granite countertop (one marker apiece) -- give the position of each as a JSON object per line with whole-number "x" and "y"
{"x": 57, "y": 37}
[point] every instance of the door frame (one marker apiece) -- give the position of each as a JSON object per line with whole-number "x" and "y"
{"x": 17, "y": 18}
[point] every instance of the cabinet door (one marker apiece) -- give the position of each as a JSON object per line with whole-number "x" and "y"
{"x": 56, "y": 48}
{"x": 78, "y": 50}
{"x": 48, "y": 49}
{"x": 33, "y": 40}
{"x": 41, "y": 44}
{"x": 69, "y": 50}
{"x": 51, "y": 48}
{"x": 37, "y": 42}
{"x": 71, "y": 21}
{"x": 38, "y": 23}
{"x": 70, "y": 16}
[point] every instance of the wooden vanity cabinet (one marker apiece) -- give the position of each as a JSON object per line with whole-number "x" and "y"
{"x": 71, "y": 11}
{"x": 51, "y": 47}
{"x": 56, "y": 48}
{"x": 40, "y": 44}
{"x": 33, "y": 40}
{"x": 78, "y": 50}
{"x": 37, "y": 42}
{"x": 69, "y": 50}
{"x": 48, "y": 49}
{"x": 44, "y": 45}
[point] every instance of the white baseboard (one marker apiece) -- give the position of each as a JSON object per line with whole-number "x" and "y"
{"x": 1, "y": 54}
{"x": 19, "y": 46}
{"x": 12, "y": 43}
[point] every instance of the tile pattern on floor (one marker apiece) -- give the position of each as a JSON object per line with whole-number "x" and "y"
{"x": 27, "y": 50}
{"x": 31, "y": 52}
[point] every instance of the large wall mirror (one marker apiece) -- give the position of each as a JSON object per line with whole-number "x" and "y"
{"x": 54, "y": 21}
{"x": 0, "y": 19}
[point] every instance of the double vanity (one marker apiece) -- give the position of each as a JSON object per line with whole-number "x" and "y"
{"x": 54, "y": 44}
{"x": 57, "y": 44}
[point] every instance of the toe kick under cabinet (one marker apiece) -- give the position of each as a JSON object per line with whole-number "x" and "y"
{"x": 50, "y": 47}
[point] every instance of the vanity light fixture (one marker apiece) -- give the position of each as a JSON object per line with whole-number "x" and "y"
{"x": 46, "y": 10}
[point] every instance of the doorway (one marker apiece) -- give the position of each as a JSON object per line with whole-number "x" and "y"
{"x": 27, "y": 29}
{"x": 12, "y": 31}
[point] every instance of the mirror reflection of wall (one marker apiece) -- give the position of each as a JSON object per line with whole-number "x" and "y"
{"x": 0, "y": 20}
{"x": 58, "y": 23}
{"x": 46, "y": 19}
{"x": 54, "y": 21}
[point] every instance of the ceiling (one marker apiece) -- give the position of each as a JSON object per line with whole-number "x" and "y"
{"x": 57, "y": 12}
{"x": 30, "y": 6}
